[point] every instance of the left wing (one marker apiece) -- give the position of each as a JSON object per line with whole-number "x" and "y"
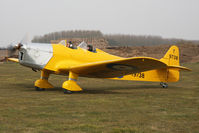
{"x": 116, "y": 68}
{"x": 13, "y": 59}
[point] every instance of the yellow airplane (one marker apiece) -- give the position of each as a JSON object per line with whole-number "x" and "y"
{"x": 86, "y": 61}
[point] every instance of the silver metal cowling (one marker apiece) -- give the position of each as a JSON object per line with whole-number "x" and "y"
{"x": 35, "y": 55}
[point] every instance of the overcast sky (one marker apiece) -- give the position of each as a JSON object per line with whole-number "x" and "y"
{"x": 167, "y": 18}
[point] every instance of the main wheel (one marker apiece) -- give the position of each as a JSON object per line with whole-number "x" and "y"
{"x": 39, "y": 89}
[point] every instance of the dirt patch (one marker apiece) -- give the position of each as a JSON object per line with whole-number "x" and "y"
{"x": 188, "y": 52}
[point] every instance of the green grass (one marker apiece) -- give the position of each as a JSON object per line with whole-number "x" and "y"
{"x": 104, "y": 106}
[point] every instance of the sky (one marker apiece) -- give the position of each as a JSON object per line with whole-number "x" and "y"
{"x": 166, "y": 18}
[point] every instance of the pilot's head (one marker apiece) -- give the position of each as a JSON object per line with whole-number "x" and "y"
{"x": 90, "y": 48}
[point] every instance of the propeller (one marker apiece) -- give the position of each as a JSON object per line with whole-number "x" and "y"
{"x": 12, "y": 49}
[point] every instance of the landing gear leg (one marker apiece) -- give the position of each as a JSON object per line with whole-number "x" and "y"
{"x": 42, "y": 83}
{"x": 164, "y": 85}
{"x": 71, "y": 85}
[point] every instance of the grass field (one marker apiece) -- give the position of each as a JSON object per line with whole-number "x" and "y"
{"x": 104, "y": 106}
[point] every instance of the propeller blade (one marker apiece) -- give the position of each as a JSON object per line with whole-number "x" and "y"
{"x": 25, "y": 39}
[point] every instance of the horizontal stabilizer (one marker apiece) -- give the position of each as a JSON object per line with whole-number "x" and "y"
{"x": 180, "y": 68}
{"x": 13, "y": 59}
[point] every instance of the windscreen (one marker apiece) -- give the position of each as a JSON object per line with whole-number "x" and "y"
{"x": 83, "y": 45}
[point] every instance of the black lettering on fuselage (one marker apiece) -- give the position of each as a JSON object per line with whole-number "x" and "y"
{"x": 138, "y": 75}
{"x": 174, "y": 57}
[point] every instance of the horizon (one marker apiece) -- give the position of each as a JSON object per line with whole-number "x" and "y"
{"x": 29, "y": 40}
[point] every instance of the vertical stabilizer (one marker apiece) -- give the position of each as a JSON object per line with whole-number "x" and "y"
{"x": 171, "y": 58}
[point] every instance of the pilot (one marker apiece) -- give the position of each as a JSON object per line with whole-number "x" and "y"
{"x": 71, "y": 45}
{"x": 90, "y": 48}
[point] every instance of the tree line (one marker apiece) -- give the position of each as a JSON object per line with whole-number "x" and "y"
{"x": 67, "y": 34}
{"x": 138, "y": 40}
{"x": 113, "y": 39}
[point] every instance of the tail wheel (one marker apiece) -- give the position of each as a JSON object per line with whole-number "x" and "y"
{"x": 164, "y": 85}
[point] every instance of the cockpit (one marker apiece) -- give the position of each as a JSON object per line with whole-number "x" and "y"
{"x": 82, "y": 45}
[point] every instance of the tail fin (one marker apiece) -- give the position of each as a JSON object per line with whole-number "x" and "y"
{"x": 171, "y": 58}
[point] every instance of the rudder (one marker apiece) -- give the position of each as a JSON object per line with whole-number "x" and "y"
{"x": 171, "y": 58}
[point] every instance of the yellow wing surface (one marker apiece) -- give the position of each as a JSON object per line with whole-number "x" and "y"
{"x": 116, "y": 68}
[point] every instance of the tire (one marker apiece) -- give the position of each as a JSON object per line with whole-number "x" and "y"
{"x": 164, "y": 85}
{"x": 39, "y": 89}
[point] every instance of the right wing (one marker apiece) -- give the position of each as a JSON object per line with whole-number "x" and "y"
{"x": 115, "y": 68}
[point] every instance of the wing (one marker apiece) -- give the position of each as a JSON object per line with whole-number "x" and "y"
{"x": 116, "y": 68}
{"x": 13, "y": 59}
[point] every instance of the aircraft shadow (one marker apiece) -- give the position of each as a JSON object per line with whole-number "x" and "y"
{"x": 100, "y": 90}
{"x": 117, "y": 90}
